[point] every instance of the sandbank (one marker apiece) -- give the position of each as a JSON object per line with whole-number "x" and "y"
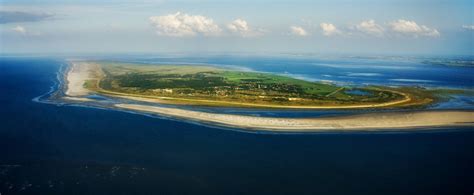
{"x": 367, "y": 122}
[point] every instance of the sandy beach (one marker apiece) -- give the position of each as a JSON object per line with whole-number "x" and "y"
{"x": 78, "y": 74}
{"x": 366, "y": 122}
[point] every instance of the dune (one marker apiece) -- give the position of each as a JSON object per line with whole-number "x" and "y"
{"x": 76, "y": 77}
{"x": 366, "y": 122}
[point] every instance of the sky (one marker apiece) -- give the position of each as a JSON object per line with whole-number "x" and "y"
{"x": 408, "y": 27}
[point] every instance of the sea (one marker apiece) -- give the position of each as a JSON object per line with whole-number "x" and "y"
{"x": 51, "y": 148}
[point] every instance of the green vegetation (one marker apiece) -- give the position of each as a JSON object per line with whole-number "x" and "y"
{"x": 195, "y": 84}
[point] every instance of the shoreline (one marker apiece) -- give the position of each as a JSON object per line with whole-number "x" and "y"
{"x": 76, "y": 92}
{"x": 355, "y": 122}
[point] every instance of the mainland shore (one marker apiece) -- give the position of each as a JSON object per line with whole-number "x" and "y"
{"x": 81, "y": 72}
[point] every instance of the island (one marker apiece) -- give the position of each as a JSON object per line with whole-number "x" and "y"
{"x": 147, "y": 86}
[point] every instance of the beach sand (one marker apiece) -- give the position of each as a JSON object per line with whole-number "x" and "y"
{"x": 367, "y": 122}
{"x": 79, "y": 73}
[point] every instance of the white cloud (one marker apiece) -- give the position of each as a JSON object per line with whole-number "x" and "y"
{"x": 370, "y": 27}
{"x": 181, "y": 25}
{"x": 329, "y": 29}
{"x": 468, "y": 27}
{"x": 20, "y": 29}
{"x": 241, "y": 27}
{"x": 25, "y": 32}
{"x": 299, "y": 31}
{"x": 412, "y": 28}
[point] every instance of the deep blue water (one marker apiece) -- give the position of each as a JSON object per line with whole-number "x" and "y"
{"x": 49, "y": 149}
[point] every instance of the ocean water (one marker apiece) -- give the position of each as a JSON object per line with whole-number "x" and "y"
{"x": 53, "y": 149}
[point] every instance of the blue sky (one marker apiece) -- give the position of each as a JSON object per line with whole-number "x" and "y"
{"x": 413, "y": 27}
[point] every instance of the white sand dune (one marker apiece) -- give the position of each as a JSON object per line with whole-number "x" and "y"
{"x": 76, "y": 77}
{"x": 379, "y": 121}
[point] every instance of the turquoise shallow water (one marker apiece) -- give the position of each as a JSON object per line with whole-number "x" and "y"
{"x": 51, "y": 149}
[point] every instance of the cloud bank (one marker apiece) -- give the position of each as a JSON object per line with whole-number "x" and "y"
{"x": 411, "y": 28}
{"x": 185, "y": 25}
{"x": 370, "y": 27}
{"x": 182, "y": 25}
{"x": 404, "y": 28}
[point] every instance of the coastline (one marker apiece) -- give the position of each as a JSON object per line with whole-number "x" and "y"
{"x": 358, "y": 122}
{"x": 76, "y": 92}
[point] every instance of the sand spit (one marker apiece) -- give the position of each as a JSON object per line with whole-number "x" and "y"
{"x": 366, "y": 122}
